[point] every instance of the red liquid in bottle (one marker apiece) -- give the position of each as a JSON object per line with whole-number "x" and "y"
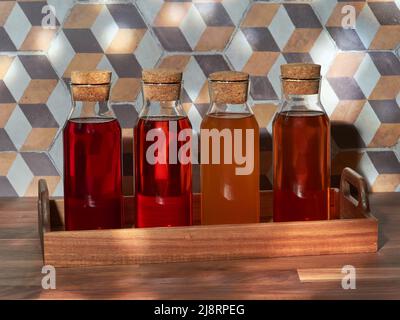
{"x": 301, "y": 159}
{"x": 92, "y": 174}
{"x": 163, "y": 190}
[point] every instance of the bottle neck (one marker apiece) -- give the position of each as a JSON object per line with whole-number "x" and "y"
{"x": 161, "y": 100}
{"x": 302, "y": 96}
{"x": 90, "y": 101}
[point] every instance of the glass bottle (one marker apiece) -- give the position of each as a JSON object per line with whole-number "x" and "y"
{"x": 301, "y": 148}
{"x": 230, "y": 177}
{"x": 92, "y": 156}
{"x": 162, "y": 148}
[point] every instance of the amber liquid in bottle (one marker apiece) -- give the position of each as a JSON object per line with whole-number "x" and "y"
{"x": 228, "y": 197}
{"x": 301, "y": 158}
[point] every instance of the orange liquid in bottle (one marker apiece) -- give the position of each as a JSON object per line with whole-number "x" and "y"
{"x": 301, "y": 166}
{"x": 228, "y": 198}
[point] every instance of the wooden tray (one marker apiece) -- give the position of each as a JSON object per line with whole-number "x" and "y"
{"x": 352, "y": 229}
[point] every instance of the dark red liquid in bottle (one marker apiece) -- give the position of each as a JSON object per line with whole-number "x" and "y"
{"x": 92, "y": 174}
{"x": 163, "y": 190}
{"x": 301, "y": 166}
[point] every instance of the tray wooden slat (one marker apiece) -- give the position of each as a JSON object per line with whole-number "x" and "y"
{"x": 351, "y": 230}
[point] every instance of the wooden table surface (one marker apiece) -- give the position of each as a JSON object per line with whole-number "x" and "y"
{"x": 378, "y": 275}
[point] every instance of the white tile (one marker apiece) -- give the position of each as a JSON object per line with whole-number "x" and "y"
{"x": 20, "y": 176}
{"x": 60, "y": 53}
{"x": 235, "y": 9}
{"x": 192, "y": 26}
{"x": 274, "y": 75}
{"x": 56, "y": 153}
{"x": 281, "y": 27}
{"x": 193, "y": 78}
{"x": 367, "y": 76}
{"x": 324, "y": 9}
{"x": 239, "y": 51}
{"x": 367, "y": 169}
{"x": 324, "y": 51}
{"x": 18, "y": 127}
{"x": 105, "y": 28}
{"x": 59, "y": 190}
{"x": 59, "y": 103}
{"x": 17, "y": 79}
{"x": 367, "y": 26}
{"x": 149, "y": 8}
{"x": 148, "y": 52}
{"x": 17, "y": 26}
{"x": 329, "y": 99}
{"x": 195, "y": 118}
{"x": 105, "y": 64}
{"x": 62, "y": 8}
{"x": 367, "y": 123}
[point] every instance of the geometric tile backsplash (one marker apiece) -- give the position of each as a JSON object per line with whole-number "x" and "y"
{"x": 360, "y": 68}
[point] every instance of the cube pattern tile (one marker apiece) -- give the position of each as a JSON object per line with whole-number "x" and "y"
{"x": 41, "y": 42}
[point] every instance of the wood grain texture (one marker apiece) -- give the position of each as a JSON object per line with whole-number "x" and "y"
{"x": 358, "y": 233}
{"x": 270, "y": 278}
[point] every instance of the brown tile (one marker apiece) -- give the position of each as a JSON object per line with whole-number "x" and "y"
{"x": 345, "y": 159}
{"x": 204, "y": 96}
{"x": 126, "y": 41}
{"x": 335, "y": 20}
{"x": 386, "y": 183}
{"x": 387, "y": 38}
{"x": 5, "y": 113}
{"x": 260, "y": 63}
{"x": 187, "y": 106}
{"x": 347, "y": 110}
{"x": 260, "y": 15}
{"x": 214, "y": 38}
{"x": 6, "y": 161}
{"x": 264, "y": 113}
{"x": 346, "y": 64}
{"x": 171, "y": 14}
{"x": 83, "y": 16}
{"x": 52, "y": 182}
{"x": 178, "y": 62}
{"x": 38, "y": 39}
{"x": 302, "y": 40}
{"x": 83, "y": 62}
{"x": 5, "y": 62}
{"x": 387, "y": 135}
{"x": 387, "y": 88}
{"x": 125, "y": 89}
{"x": 5, "y": 10}
{"x": 39, "y": 139}
{"x": 38, "y": 91}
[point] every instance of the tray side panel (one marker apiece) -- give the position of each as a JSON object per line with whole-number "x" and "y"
{"x": 202, "y": 243}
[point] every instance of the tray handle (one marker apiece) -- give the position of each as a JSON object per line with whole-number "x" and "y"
{"x": 351, "y": 207}
{"x": 43, "y": 211}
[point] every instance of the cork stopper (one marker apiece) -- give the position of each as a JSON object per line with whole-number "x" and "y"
{"x": 91, "y": 77}
{"x": 91, "y": 85}
{"x": 161, "y": 84}
{"x": 301, "y": 78}
{"x": 229, "y": 87}
{"x": 301, "y": 71}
